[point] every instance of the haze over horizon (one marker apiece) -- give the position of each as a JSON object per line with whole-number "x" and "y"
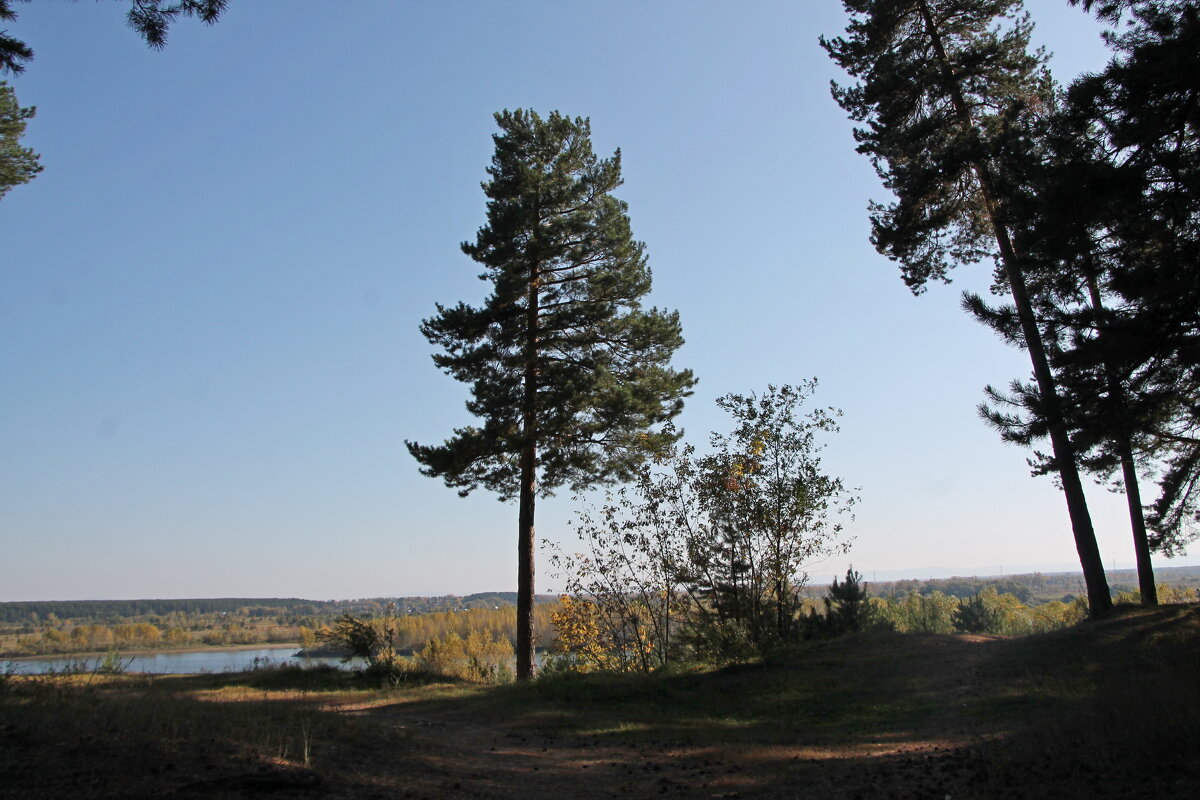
{"x": 211, "y": 295}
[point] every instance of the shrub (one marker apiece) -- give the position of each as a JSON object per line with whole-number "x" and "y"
{"x": 847, "y": 608}
{"x": 975, "y": 615}
{"x": 371, "y": 639}
{"x": 918, "y": 613}
{"x": 1167, "y": 595}
{"x": 112, "y": 663}
{"x": 482, "y": 657}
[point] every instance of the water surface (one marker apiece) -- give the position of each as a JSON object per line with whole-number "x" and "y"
{"x": 193, "y": 662}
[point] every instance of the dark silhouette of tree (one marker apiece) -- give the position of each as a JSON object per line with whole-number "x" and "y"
{"x": 569, "y": 374}
{"x": 846, "y": 604}
{"x": 150, "y": 18}
{"x": 153, "y": 18}
{"x": 1110, "y": 239}
{"x": 13, "y": 52}
{"x": 1097, "y": 356}
{"x": 1148, "y": 101}
{"x": 945, "y": 93}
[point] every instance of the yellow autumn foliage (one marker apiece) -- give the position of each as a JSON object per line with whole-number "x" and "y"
{"x": 591, "y": 642}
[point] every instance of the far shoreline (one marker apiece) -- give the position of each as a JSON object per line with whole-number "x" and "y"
{"x": 156, "y": 651}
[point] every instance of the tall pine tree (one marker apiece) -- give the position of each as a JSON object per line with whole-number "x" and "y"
{"x": 1113, "y": 222}
{"x": 569, "y": 374}
{"x": 1061, "y": 219}
{"x": 1147, "y": 99}
{"x": 945, "y": 88}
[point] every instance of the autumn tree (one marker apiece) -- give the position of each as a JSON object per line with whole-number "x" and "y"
{"x": 771, "y": 510}
{"x": 624, "y": 596}
{"x": 570, "y": 375}
{"x": 944, "y": 92}
{"x": 710, "y": 551}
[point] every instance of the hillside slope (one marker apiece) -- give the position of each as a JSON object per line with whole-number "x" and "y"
{"x": 1109, "y": 709}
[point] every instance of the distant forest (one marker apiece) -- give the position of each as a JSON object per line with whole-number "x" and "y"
{"x": 116, "y": 611}
{"x": 1030, "y": 588}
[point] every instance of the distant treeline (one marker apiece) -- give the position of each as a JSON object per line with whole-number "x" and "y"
{"x": 959, "y": 587}
{"x": 1030, "y": 588}
{"x": 104, "y": 609}
{"x": 113, "y": 611}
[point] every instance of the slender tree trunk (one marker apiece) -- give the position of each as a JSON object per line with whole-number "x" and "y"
{"x": 525, "y": 539}
{"x": 1133, "y": 494}
{"x": 780, "y": 612}
{"x": 1137, "y": 520}
{"x": 525, "y": 531}
{"x": 1099, "y": 600}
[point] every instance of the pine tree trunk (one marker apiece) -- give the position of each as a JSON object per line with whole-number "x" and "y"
{"x": 525, "y": 533}
{"x": 525, "y": 539}
{"x": 1137, "y": 521}
{"x": 1099, "y": 600}
{"x": 1133, "y": 494}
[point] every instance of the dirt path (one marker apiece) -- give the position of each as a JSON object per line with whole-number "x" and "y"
{"x": 496, "y": 759}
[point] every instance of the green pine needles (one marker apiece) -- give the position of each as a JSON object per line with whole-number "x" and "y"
{"x": 17, "y": 164}
{"x": 570, "y": 376}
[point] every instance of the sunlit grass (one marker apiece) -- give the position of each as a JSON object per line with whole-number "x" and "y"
{"x": 620, "y": 728}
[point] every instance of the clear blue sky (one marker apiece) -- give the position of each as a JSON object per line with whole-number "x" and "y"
{"x": 209, "y": 300}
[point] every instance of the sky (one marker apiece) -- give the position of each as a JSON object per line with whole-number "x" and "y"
{"x": 210, "y": 298}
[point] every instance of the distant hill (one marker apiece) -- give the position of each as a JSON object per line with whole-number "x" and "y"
{"x": 1030, "y": 587}
{"x": 113, "y": 611}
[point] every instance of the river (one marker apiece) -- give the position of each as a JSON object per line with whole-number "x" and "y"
{"x": 192, "y": 662}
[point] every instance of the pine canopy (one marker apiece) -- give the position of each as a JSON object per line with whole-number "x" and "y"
{"x": 562, "y": 355}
